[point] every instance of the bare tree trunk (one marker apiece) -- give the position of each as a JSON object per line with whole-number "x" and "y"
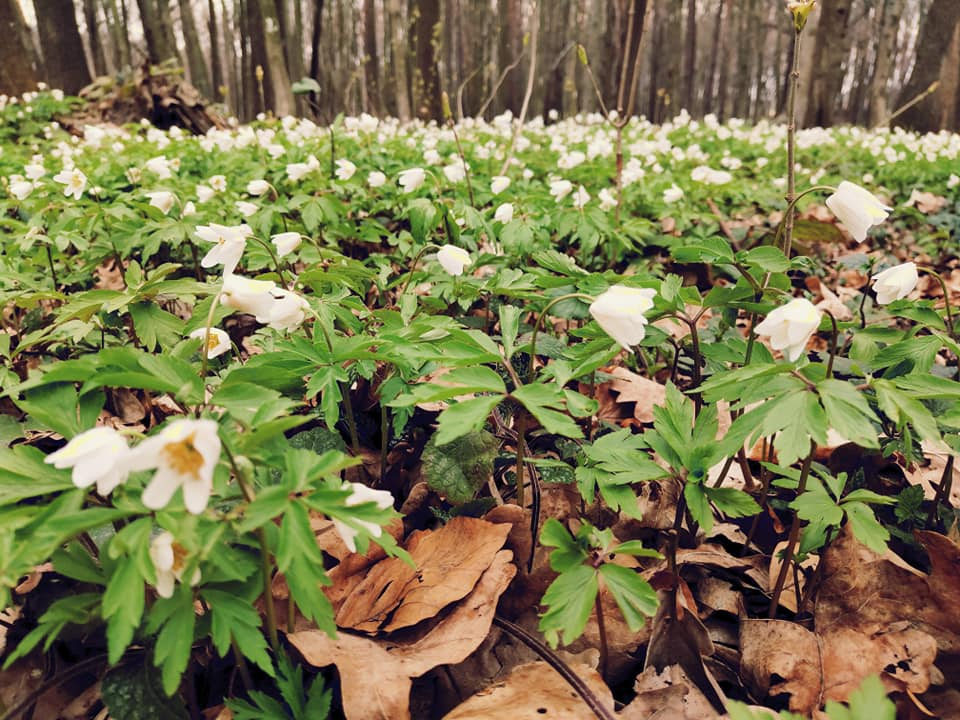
{"x": 371, "y": 58}
{"x": 715, "y": 55}
{"x": 690, "y": 60}
{"x": 935, "y": 36}
{"x": 553, "y": 22}
{"x": 891, "y": 12}
{"x": 741, "y": 100}
{"x": 159, "y": 45}
{"x": 510, "y": 46}
{"x": 315, "y": 34}
{"x": 216, "y": 65}
{"x": 199, "y": 73}
{"x": 276, "y": 64}
{"x": 63, "y": 60}
{"x": 399, "y": 52}
{"x": 17, "y": 74}
{"x": 93, "y": 37}
{"x": 831, "y": 46}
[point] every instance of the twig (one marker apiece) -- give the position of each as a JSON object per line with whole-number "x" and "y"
{"x": 499, "y": 83}
{"x": 793, "y": 538}
{"x": 531, "y": 75}
{"x": 554, "y": 661}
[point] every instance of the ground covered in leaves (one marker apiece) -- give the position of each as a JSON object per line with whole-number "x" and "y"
{"x": 465, "y": 499}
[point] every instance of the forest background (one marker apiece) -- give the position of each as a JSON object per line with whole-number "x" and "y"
{"x": 865, "y": 59}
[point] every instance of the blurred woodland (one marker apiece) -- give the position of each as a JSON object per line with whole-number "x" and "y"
{"x": 861, "y": 62}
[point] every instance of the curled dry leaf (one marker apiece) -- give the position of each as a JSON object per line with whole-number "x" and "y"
{"x": 375, "y": 675}
{"x": 667, "y": 695}
{"x": 534, "y": 691}
{"x": 870, "y": 592}
{"x": 784, "y": 649}
{"x": 645, "y": 393}
{"x": 393, "y": 595}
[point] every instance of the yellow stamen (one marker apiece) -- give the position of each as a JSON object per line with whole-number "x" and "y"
{"x": 184, "y": 457}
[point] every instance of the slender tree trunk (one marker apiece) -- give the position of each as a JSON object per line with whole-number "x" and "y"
{"x": 553, "y": 21}
{"x": 716, "y": 52}
{"x": 690, "y": 60}
{"x": 199, "y": 73}
{"x": 93, "y": 37}
{"x": 159, "y": 44}
{"x": 509, "y": 49}
{"x": 741, "y": 100}
{"x": 315, "y": 34}
{"x": 371, "y": 58}
{"x": 936, "y": 34}
{"x": 276, "y": 64}
{"x": 63, "y": 58}
{"x": 831, "y": 47}
{"x": 17, "y": 74}
{"x": 399, "y": 52}
{"x": 216, "y": 64}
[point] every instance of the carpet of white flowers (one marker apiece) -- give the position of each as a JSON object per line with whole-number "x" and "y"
{"x": 217, "y": 348}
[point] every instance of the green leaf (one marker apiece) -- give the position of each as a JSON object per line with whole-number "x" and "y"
{"x": 635, "y": 597}
{"x": 60, "y": 408}
{"x": 460, "y": 381}
{"x": 698, "y": 505}
{"x": 816, "y": 505}
{"x": 636, "y": 549}
{"x": 732, "y": 502}
{"x": 23, "y": 474}
{"x": 464, "y": 417}
{"x": 305, "y": 86}
{"x": 133, "y": 691}
{"x": 568, "y": 553}
{"x": 509, "y": 328}
{"x": 123, "y": 604}
{"x": 234, "y": 617}
{"x": 460, "y": 468}
{"x": 866, "y": 528}
{"x": 175, "y": 641}
{"x": 569, "y": 601}
{"x": 543, "y": 401}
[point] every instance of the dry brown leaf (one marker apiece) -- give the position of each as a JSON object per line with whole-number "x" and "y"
{"x": 667, "y": 695}
{"x": 778, "y": 647}
{"x": 109, "y": 276}
{"x": 393, "y": 595}
{"x": 931, "y": 473}
{"x": 634, "y": 388}
{"x": 926, "y": 202}
{"x": 788, "y": 597}
{"x": 871, "y": 593}
{"x": 534, "y": 691}
{"x": 375, "y": 675}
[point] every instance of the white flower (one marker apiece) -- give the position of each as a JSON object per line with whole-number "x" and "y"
{"x": 895, "y": 283}
{"x": 952, "y": 181}
{"x": 185, "y": 454}
{"x": 454, "y": 172}
{"x": 229, "y": 243}
{"x": 204, "y": 193}
{"x": 245, "y": 208}
{"x": 790, "y": 326}
{"x": 581, "y": 197}
{"x": 504, "y": 213}
{"x": 607, "y": 200}
{"x": 21, "y": 189}
{"x": 134, "y": 175}
{"x": 162, "y": 200}
{"x": 218, "y": 342}
{"x": 168, "y": 558}
{"x": 361, "y": 494}
{"x": 287, "y": 310}
{"x": 159, "y": 166}
{"x": 376, "y": 179}
{"x": 34, "y": 171}
{"x": 218, "y": 183}
{"x": 246, "y": 295}
{"x": 499, "y": 184}
{"x": 297, "y": 171}
{"x": 453, "y": 259}
{"x": 412, "y": 179}
{"x": 672, "y": 194}
{"x": 620, "y": 313}
{"x": 258, "y": 187}
{"x": 345, "y": 169}
{"x": 96, "y": 456}
{"x": 74, "y": 182}
{"x": 560, "y": 189}
{"x": 189, "y": 208}
{"x": 286, "y": 242}
{"x": 857, "y": 209}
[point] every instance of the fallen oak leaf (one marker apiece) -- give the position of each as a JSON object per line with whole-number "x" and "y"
{"x": 448, "y": 563}
{"x": 534, "y": 690}
{"x": 376, "y": 675}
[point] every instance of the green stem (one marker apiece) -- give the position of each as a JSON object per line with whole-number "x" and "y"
{"x": 792, "y": 142}
{"x": 602, "y": 630}
{"x": 789, "y": 214}
{"x": 413, "y": 267}
{"x": 833, "y": 344}
{"x": 266, "y": 567}
{"x": 344, "y": 394}
{"x": 273, "y": 257}
{"x": 204, "y": 360}
{"x": 946, "y": 299}
{"x": 536, "y": 327}
{"x": 53, "y": 271}
{"x": 793, "y": 538}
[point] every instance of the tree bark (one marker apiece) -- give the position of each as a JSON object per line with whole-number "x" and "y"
{"x": 17, "y": 73}
{"x": 159, "y": 45}
{"x": 216, "y": 66}
{"x": 315, "y": 34}
{"x": 93, "y": 37}
{"x": 199, "y": 73}
{"x": 63, "y": 58}
{"x": 371, "y": 58}
{"x": 553, "y": 21}
{"x": 510, "y": 46}
{"x": 832, "y": 45}
{"x": 276, "y": 65}
{"x": 690, "y": 59}
{"x": 935, "y": 36}
{"x": 399, "y": 53}
{"x": 716, "y": 51}
{"x": 891, "y": 13}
